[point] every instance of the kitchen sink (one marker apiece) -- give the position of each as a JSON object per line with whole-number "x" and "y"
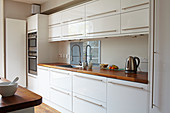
{"x": 69, "y": 66}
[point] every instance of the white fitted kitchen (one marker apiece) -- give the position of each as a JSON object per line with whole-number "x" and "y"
{"x": 92, "y": 56}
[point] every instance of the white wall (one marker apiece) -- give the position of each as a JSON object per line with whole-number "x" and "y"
{"x": 1, "y": 37}
{"x": 17, "y": 10}
{"x": 115, "y": 50}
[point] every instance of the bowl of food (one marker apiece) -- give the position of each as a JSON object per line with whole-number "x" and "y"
{"x": 8, "y": 88}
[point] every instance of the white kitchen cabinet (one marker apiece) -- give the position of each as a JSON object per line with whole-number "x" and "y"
{"x": 103, "y": 26}
{"x": 126, "y": 97}
{"x": 60, "y": 79}
{"x": 130, "y": 5}
{"x": 73, "y": 31}
{"x": 32, "y": 23}
{"x": 90, "y": 86}
{"x": 55, "y": 32}
{"x": 61, "y": 98}
{"x": 33, "y": 84}
{"x": 82, "y": 104}
{"x": 43, "y": 78}
{"x": 74, "y": 14}
{"x": 136, "y": 21}
{"x": 55, "y": 19}
{"x": 99, "y": 8}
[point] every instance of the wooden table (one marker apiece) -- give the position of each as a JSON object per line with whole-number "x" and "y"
{"x": 22, "y": 102}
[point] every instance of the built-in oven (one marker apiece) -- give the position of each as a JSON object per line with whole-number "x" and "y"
{"x": 32, "y": 65}
{"x": 32, "y": 39}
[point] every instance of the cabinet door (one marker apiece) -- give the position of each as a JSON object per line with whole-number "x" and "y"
{"x": 90, "y": 86}
{"x": 32, "y": 22}
{"x": 129, "y": 5}
{"x": 60, "y": 79}
{"x": 55, "y": 19}
{"x": 73, "y": 31}
{"x": 137, "y": 21}
{"x": 99, "y": 8}
{"x": 73, "y": 14}
{"x": 61, "y": 97}
{"x": 43, "y": 77}
{"x": 33, "y": 84}
{"x": 126, "y": 97}
{"x": 55, "y": 32}
{"x": 87, "y": 105}
{"x": 103, "y": 26}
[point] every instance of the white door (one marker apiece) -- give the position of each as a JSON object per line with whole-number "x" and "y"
{"x": 16, "y": 50}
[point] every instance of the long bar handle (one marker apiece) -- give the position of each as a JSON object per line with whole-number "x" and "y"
{"x": 72, "y": 35}
{"x": 102, "y": 32}
{"x": 54, "y": 24}
{"x": 126, "y": 85}
{"x": 55, "y": 37}
{"x": 89, "y": 101}
{"x": 60, "y": 91}
{"x": 89, "y": 78}
{"x": 135, "y": 6}
{"x": 101, "y": 13}
{"x": 73, "y": 20}
{"x": 135, "y": 28}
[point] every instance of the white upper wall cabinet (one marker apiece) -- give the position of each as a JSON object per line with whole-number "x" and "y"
{"x": 55, "y": 19}
{"x": 73, "y": 14}
{"x": 55, "y": 32}
{"x": 32, "y": 23}
{"x": 136, "y": 21}
{"x": 129, "y": 5}
{"x": 102, "y": 7}
{"x": 73, "y": 31}
{"x": 103, "y": 26}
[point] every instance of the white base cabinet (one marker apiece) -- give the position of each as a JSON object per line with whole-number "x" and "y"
{"x": 126, "y": 97}
{"x": 72, "y": 92}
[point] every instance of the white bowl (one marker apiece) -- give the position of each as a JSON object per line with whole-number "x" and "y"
{"x": 7, "y": 89}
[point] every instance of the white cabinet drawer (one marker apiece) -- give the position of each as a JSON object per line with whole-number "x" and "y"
{"x": 61, "y": 98}
{"x": 130, "y": 5}
{"x": 90, "y": 86}
{"x": 60, "y": 79}
{"x": 75, "y": 14}
{"x": 87, "y": 105}
{"x": 137, "y": 21}
{"x": 73, "y": 31}
{"x": 126, "y": 97}
{"x": 103, "y": 26}
{"x": 100, "y": 8}
{"x": 33, "y": 84}
{"x": 55, "y": 32}
{"x": 55, "y": 19}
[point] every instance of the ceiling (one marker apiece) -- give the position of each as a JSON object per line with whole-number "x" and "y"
{"x": 32, "y": 1}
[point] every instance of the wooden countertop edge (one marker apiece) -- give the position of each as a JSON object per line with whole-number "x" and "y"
{"x": 98, "y": 74}
{"x": 20, "y": 106}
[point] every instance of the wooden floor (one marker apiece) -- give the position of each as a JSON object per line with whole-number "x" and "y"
{"x": 43, "y": 108}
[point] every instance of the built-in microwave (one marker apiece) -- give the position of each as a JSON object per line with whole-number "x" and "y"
{"x": 32, "y": 42}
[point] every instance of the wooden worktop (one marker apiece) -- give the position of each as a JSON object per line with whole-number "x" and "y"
{"x": 140, "y": 77}
{"x": 22, "y": 99}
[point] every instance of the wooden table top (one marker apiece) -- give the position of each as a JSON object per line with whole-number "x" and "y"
{"x": 140, "y": 77}
{"x": 23, "y": 98}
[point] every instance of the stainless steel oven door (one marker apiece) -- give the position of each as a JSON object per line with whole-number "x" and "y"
{"x": 32, "y": 65}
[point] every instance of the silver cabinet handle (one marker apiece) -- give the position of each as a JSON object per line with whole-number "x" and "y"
{"x": 89, "y": 78}
{"x": 72, "y": 35}
{"x": 88, "y": 101}
{"x": 60, "y": 72}
{"x": 135, "y": 28}
{"x": 32, "y": 57}
{"x": 73, "y": 20}
{"x": 60, "y": 91}
{"x": 54, "y": 24}
{"x": 55, "y": 37}
{"x": 135, "y": 6}
{"x": 101, "y": 14}
{"x": 102, "y": 32}
{"x": 126, "y": 85}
